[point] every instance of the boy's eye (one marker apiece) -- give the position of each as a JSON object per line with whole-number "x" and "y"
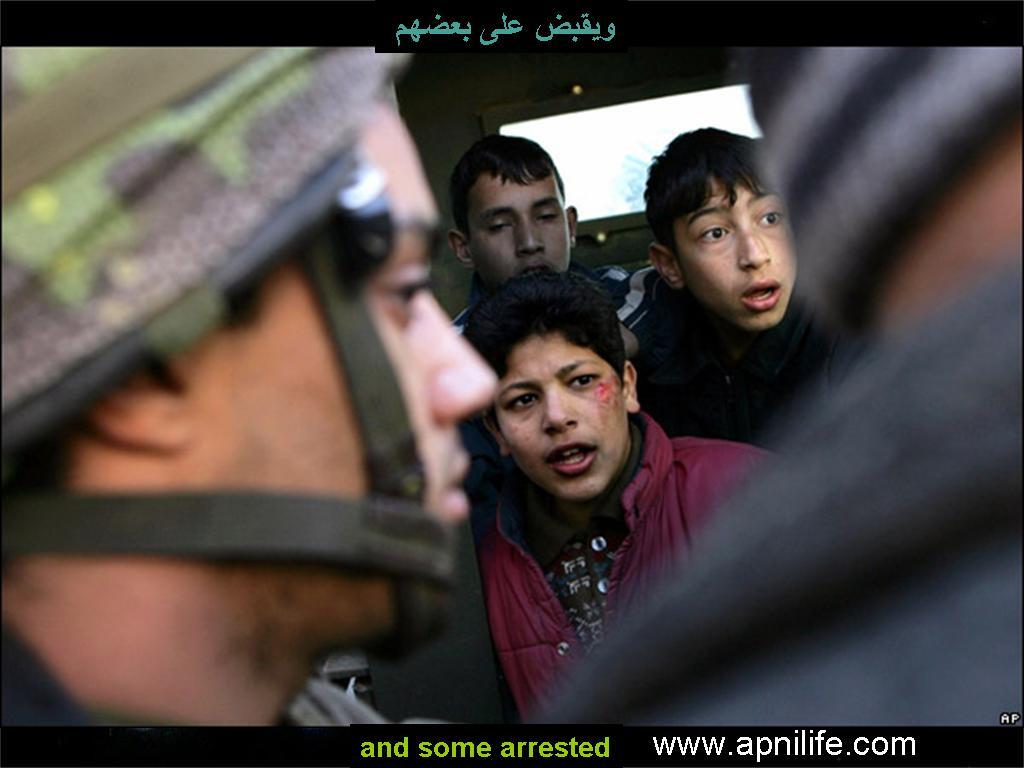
{"x": 715, "y": 233}
{"x": 497, "y": 226}
{"x": 520, "y": 402}
{"x": 772, "y": 218}
{"x": 547, "y": 216}
{"x": 584, "y": 379}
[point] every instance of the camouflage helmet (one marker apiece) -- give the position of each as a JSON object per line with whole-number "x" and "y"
{"x": 142, "y": 191}
{"x": 144, "y": 217}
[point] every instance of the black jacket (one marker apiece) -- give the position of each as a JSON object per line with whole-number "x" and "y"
{"x": 692, "y": 392}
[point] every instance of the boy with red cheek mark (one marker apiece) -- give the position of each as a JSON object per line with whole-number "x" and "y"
{"x": 602, "y": 502}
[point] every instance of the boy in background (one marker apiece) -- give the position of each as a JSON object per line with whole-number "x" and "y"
{"x": 741, "y": 348}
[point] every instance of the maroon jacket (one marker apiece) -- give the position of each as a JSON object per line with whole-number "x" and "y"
{"x": 677, "y": 485}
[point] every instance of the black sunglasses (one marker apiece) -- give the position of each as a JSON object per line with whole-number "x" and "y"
{"x": 363, "y": 230}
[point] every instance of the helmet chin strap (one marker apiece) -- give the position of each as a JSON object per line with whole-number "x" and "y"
{"x": 369, "y": 534}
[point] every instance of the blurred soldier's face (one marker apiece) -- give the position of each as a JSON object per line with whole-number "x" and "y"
{"x": 292, "y": 421}
{"x": 278, "y": 413}
{"x": 514, "y": 229}
{"x": 442, "y": 377}
{"x": 263, "y": 404}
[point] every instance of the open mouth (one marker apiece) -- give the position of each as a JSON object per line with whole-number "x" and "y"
{"x": 571, "y": 460}
{"x": 761, "y": 297}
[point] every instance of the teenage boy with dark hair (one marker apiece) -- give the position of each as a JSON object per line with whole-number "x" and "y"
{"x": 508, "y": 203}
{"x": 723, "y": 250}
{"x": 602, "y": 502}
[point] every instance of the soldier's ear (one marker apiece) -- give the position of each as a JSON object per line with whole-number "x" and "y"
{"x": 149, "y": 412}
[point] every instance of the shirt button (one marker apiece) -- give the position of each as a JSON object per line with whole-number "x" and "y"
{"x": 602, "y": 586}
{"x": 598, "y": 543}
{"x": 562, "y": 648}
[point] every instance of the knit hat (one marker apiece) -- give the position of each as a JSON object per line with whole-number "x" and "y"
{"x": 862, "y": 142}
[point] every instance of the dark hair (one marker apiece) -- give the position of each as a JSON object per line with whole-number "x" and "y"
{"x": 679, "y": 179}
{"x": 536, "y": 305}
{"x": 507, "y": 157}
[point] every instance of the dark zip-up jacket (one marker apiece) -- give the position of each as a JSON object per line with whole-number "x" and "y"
{"x": 692, "y": 392}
